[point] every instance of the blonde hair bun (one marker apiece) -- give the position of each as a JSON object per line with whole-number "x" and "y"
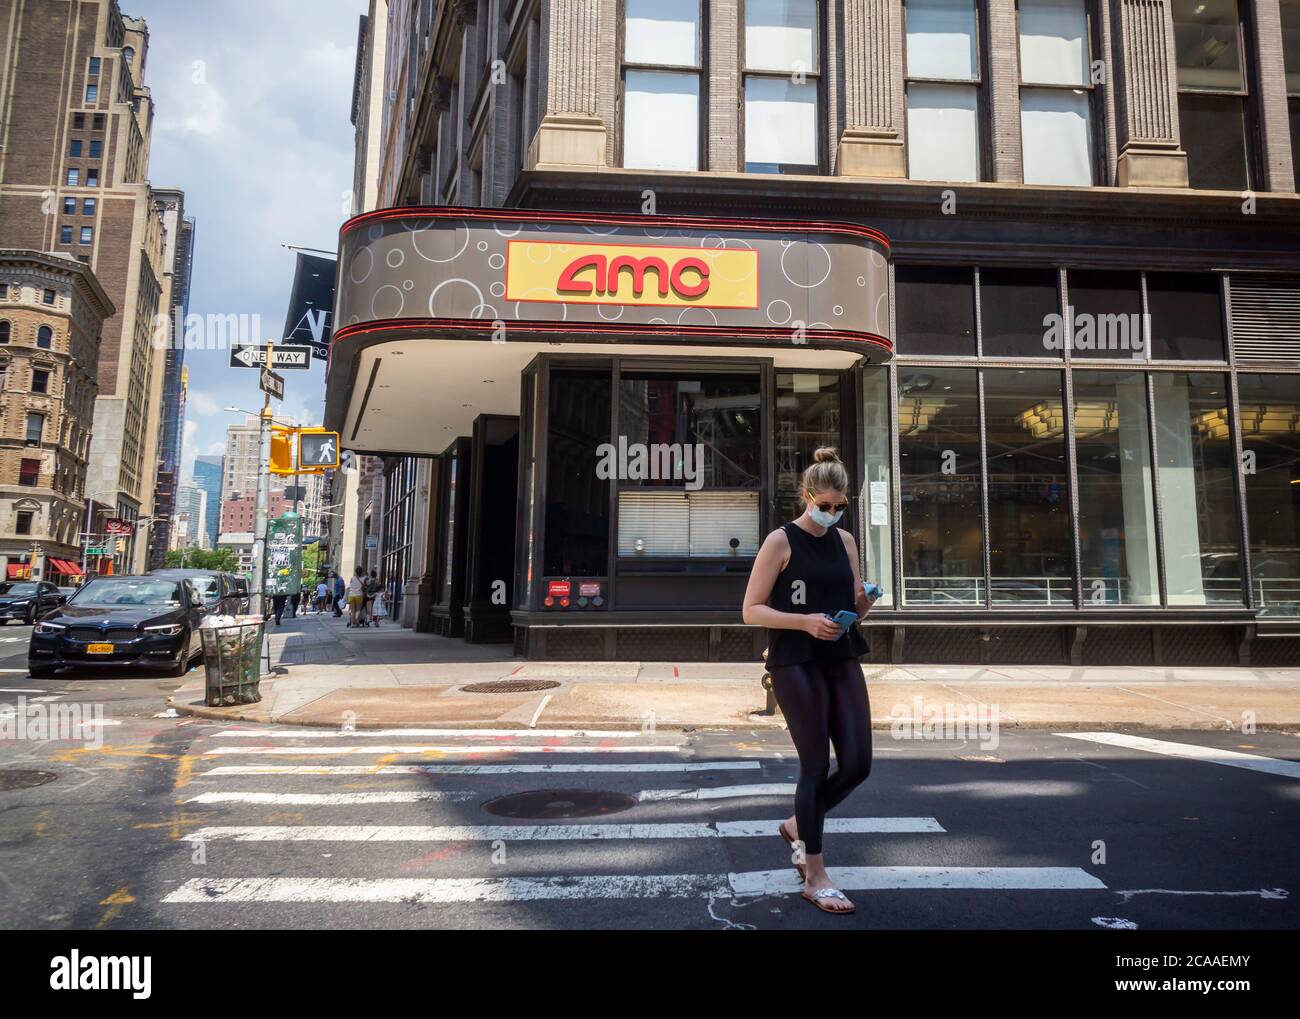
{"x": 825, "y": 473}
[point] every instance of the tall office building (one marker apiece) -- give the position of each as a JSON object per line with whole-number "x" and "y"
{"x": 207, "y": 476}
{"x": 177, "y": 261}
{"x": 74, "y": 156}
{"x": 189, "y": 529}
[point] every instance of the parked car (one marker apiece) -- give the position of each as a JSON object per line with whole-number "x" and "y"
{"x": 140, "y": 621}
{"x": 226, "y": 593}
{"x": 28, "y": 600}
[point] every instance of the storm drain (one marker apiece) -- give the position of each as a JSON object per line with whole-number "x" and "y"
{"x": 12, "y": 778}
{"x": 511, "y": 686}
{"x": 543, "y": 804}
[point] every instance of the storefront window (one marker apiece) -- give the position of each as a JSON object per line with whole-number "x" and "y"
{"x": 688, "y": 461}
{"x": 874, "y": 499}
{"x": 1186, "y": 316}
{"x": 935, "y": 307}
{"x": 1105, "y": 314}
{"x": 399, "y": 503}
{"x": 939, "y": 478}
{"x": 577, "y": 500}
{"x": 1030, "y": 557}
{"x": 1117, "y": 530}
{"x": 1270, "y": 438}
{"x": 1016, "y": 309}
{"x": 807, "y": 416}
{"x": 1195, "y": 470}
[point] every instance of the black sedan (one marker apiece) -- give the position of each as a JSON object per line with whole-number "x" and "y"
{"x": 28, "y": 600}
{"x": 150, "y": 622}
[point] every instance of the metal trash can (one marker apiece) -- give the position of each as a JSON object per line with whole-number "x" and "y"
{"x": 232, "y": 661}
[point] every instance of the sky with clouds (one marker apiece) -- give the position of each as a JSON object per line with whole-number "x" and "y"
{"x": 251, "y": 106}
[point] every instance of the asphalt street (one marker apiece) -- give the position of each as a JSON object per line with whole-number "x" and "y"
{"x": 164, "y": 822}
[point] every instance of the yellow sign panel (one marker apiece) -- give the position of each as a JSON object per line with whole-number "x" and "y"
{"x": 575, "y": 273}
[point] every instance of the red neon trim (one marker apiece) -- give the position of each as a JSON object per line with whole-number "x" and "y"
{"x": 612, "y": 328}
{"x": 614, "y": 219}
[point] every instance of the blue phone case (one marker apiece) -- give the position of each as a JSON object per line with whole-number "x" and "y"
{"x": 844, "y": 618}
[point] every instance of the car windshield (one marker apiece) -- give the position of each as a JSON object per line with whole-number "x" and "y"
{"x": 13, "y": 590}
{"x": 107, "y": 594}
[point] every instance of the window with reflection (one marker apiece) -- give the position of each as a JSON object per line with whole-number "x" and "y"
{"x": 935, "y": 309}
{"x": 1270, "y": 439}
{"x": 939, "y": 480}
{"x": 1117, "y": 522}
{"x": 942, "y": 90}
{"x": 1056, "y": 92}
{"x": 1196, "y": 475}
{"x": 1031, "y": 561}
{"x": 576, "y": 530}
{"x": 782, "y": 68}
{"x": 807, "y": 416}
{"x": 662, "y": 66}
{"x": 1212, "y": 93}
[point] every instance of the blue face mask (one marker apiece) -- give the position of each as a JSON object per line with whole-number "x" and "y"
{"x": 825, "y": 519}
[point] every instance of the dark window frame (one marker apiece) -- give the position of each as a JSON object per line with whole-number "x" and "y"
{"x": 820, "y": 115}
{"x": 981, "y": 83}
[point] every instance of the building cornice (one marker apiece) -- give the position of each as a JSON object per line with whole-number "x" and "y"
{"x": 68, "y": 267}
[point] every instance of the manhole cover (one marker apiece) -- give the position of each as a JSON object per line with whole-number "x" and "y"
{"x": 12, "y": 778}
{"x": 559, "y": 803}
{"x": 511, "y": 686}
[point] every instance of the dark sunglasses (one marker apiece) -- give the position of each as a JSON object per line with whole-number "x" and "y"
{"x": 827, "y": 507}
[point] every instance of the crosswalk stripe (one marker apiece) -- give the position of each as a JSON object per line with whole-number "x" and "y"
{"x": 387, "y": 750}
{"x": 619, "y": 886}
{"x": 549, "y": 832}
{"x": 304, "y": 733}
{"x": 330, "y": 799}
{"x": 568, "y": 768}
{"x": 411, "y": 796}
{"x": 1192, "y": 752}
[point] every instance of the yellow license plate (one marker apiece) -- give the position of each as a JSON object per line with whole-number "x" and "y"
{"x": 99, "y": 649}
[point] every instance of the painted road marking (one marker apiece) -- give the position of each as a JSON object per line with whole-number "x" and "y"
{"x": 549, "y": 832}
{"x": 330, "y": 799}
{"x": 400, "y": 750}
{"x": 304, "y": 733}
{"x": 477, "y": 769}
{"x": 349, "y": 799}
{"x": 1192, "y": 752}
{"x": 620, "y": 886}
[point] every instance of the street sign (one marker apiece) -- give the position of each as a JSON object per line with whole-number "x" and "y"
{"x": 318, "y": 449}
{"x": 298, "y": 358}
{"x": 272, "y": 384}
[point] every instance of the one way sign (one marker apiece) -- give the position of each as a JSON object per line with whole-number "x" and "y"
{"x": 283, "y": 357}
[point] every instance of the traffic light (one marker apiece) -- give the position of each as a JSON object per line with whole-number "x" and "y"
{"x": 318, "y": 449}
{"x": 121, "y": 544}
{"x": 281, "y": 452}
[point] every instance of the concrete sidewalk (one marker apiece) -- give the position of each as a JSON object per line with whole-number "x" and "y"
{"x": 329, "y": 675}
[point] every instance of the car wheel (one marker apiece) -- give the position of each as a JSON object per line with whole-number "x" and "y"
{"x": 40, "y": 671}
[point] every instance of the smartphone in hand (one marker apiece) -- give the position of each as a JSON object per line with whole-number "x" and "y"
{"x": 845, "y": 618}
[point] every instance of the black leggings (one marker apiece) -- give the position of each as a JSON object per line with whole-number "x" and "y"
{"x": 824, "y": 702}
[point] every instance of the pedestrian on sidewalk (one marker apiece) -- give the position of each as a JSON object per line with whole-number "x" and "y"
{"x": 805, "y": 572}
{"x": 378, "y": 608}
{"x": 322, "y": 596}
{"x": 372, "y": 589}
{"x": 337, "y": 585}
{"x": 277, "y": 606}
{"x": 357, "y": 597}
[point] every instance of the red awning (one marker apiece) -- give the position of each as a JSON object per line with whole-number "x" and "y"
{"x": 14, "y": 570}
{"x": 65, "y": 567}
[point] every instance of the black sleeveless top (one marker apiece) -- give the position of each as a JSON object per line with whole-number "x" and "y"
{"x": 823, "y": 566}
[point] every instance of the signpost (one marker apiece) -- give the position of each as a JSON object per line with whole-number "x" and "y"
{"x": 296, "y": 358}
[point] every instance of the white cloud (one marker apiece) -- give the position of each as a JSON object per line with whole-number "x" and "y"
{"x": 201, "y": 403}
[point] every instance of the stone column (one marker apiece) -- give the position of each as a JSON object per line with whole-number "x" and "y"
{"x": 1144, "y": 75}
{"x": 572, "y": 132}
{"x": 872, "y": 142}
{"x": 1271, "y": 96}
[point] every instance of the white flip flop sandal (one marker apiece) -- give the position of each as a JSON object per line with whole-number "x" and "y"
{"x": 828, "y": 893}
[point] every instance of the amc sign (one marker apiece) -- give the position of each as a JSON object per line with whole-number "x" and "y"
{"x": 559, "y": 271}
